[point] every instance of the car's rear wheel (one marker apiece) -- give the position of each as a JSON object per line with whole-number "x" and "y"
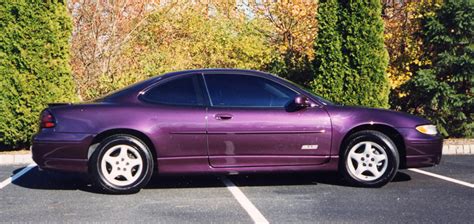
{"x": 370, "y": 159}
{"x": 121, "y": 164}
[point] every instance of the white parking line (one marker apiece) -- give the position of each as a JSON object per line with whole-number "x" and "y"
{"x": 17, "y": 175}
{"x": 254, "y": 213}
{"x": 443, "y": 177}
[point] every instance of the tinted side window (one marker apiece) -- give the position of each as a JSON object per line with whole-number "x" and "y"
{"x": 179, "y": 91}
{"x": 247, "y": 91}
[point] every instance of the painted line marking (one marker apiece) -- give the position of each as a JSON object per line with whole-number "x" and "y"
{"x": 460, "y": 182}
{"x": 254, "y": 213}
{"x": 17, "y": 175}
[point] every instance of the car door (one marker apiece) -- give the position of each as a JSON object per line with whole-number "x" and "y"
{"x": 248, "y": 124}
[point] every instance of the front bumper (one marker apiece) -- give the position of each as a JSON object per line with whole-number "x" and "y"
{"x": 421, "y": 150}
{"x": 61, "y": 151}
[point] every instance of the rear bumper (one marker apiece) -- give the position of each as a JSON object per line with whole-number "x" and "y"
{"x": 61, "y": 151}
{"x": 421, "y": 150}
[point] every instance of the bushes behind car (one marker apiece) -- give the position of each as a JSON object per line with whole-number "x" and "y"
{"x": 34, "y": 65}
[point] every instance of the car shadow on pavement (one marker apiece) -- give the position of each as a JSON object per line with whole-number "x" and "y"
{"x": 52, "y": 180}
{"x": 287, "y": 179}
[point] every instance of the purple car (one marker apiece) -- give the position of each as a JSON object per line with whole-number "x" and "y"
{"x": 227, "y": 121}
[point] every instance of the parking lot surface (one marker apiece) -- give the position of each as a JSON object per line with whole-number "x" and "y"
{"x": 279, "y": 198}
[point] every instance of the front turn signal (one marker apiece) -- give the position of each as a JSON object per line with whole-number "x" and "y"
{"x": 428, "y": 129}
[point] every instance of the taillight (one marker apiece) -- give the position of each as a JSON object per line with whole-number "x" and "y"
{"x": 47, "y": 120}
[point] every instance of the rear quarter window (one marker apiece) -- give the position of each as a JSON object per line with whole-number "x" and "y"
{"x": 185, "y": 91}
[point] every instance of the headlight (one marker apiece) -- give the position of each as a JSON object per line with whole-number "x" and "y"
{"x": 428, "y": 129}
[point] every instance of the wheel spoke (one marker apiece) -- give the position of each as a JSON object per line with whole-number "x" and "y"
{"x": 113, "y": 173}
{"x": 356, "y": 156}
{"x": 379, "y": 158}
{"x": 374, "y": 171}
{"x": 123, "y": 153}
{"x": 368, "y": 148}
{"x": 127, "y": 174}
{"x": 134, "y": 162}
{"x": 110, "y": 160}
{"x": 360, "y": 170}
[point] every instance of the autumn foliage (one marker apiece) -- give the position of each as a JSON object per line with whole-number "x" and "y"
{"x": 403, "y": 25}
{"x": 116, "y": 44}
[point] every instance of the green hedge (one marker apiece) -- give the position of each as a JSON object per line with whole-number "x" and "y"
{"x": 34, "y": 65}
{"x": 444, "y": 91}
{"x": 350, "y": 58}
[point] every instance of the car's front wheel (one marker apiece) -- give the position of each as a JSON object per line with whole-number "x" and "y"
{"x": 370, "y": 159}
{"x": 121, "y": 164}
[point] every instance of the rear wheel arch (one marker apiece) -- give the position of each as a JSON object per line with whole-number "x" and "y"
{"x": 122, "y": 131}
{"x": 389, "y": 131}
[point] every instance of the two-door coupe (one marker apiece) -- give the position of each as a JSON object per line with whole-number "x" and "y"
{"x": 227, "y": 121}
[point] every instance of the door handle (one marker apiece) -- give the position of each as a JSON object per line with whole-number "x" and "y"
{"x": 222, "y": 117}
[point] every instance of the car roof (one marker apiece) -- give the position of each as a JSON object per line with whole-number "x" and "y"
{"x": 215, "y": 71}
{"x": 127, "y": 92}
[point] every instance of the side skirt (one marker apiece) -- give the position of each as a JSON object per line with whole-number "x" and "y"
{"x": 200, "y": 165}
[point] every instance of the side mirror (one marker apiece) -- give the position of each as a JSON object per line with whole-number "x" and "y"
{"x": 302, "y": 101}
{"x": 298, "y": 103}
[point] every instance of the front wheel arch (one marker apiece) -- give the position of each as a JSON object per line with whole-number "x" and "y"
{"x": 387, "y": 130}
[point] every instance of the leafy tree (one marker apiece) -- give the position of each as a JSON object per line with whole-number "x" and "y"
{"x": 34, "y": 65}
{"x": 293, "y": 28}
{"x": 152, "y": 39}
{"x": 404, "y": 43}
{"x": 444, "y": 91}
{"x": 120, "y": 42}
{"x": 100, "y": 30}
{"x": 191, "y": 37}
{"x": 351, "y": 58}
{"x": 329, "y": 64}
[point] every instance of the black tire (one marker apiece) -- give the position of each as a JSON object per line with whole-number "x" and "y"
{"x": 137, "y": 146}
{"x": 385, "y": 143}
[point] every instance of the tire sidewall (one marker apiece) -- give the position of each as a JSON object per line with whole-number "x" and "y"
{"x": 143, "y": 150}
{"x": 387, "y": 145}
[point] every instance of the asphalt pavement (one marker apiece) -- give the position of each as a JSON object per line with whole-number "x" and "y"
{"x": 39, "y": 196}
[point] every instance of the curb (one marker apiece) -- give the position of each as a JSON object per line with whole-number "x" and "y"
{"x": 16, "y": 159}
{"x": 448, "y": 149}
{"x": 467, "y": 149}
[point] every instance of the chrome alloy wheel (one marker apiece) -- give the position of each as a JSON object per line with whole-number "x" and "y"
{"x": 367, "y": 161}
{"x": 121, "y": 165}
